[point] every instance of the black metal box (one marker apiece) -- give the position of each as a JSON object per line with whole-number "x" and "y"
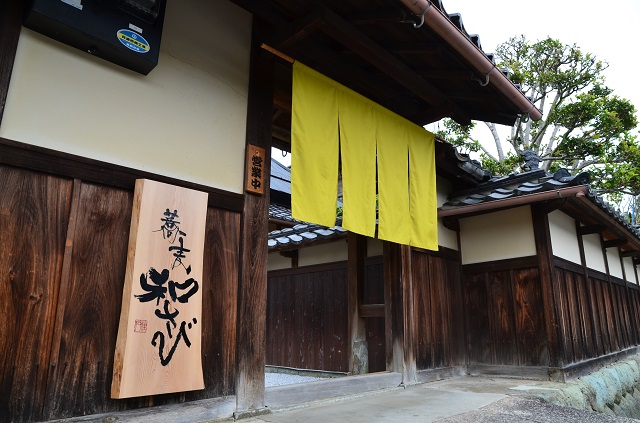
{"x": 124, "y": 32}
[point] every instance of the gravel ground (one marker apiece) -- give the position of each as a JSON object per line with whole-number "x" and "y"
{"x": 277, "y": 379}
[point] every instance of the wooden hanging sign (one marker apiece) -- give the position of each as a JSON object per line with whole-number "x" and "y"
{"x": 159, "y": 338}
{"x": 255, "y": 170}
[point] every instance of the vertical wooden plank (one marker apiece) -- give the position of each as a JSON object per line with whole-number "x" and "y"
{"x": 564, "y": 315}
{"x": 375, "y": 326}
{"x": 530, "y": 331}
{"x": 85, "y": 344}
{"x": 252, "y": 286}
{"x": 588, "y": 333}
{"x": 399, "y": 310}
{"x": 574, "y": 317}
{"x": 34, "y": 213}
{"x": 501, "y": 319}
{"x": 591, "y": 300}
{"x": 11, "y": 13}
{"x": 457, "y": 313}
{"x": 435, "y": 275}
{"x": 606, "y": 316}
{"x": 422, "y": 307}
{"x": 357, "y": 346}
{"x": 219, "y": 306}
{"x": 477, "y": 318}
{"x": 545, "y": 264}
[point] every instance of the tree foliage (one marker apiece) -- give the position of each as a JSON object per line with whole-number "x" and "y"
{"x": 585, "y": 126}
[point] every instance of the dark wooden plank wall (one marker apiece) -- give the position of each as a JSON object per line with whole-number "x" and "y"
{"x": 62, "y": 264}
{"x": 307, "y": 317}
{"x": 503, "y": 303}
{"x": 438, "y": 306}
{"x": 373, "y": 293}
{"x": 596, "y": 315}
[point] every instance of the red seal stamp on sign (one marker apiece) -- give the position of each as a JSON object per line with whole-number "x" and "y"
{"x": 140, "y": 326}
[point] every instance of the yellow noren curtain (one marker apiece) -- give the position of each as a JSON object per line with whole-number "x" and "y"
{"x": 358, "y": 153}
{"x": 326, "y": 114}
{"x": 423, "y": 196}
{"x": 314, "y": 147}
{"x": 394, "y": 223}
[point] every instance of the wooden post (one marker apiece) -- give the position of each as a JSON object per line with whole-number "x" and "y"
{"x": 252, "y": 284}
{"x": 358, "y": 349}
{"x": 10, "y": 26}
{"x": 399, "y": 311}
{"x": 547, "y": 276}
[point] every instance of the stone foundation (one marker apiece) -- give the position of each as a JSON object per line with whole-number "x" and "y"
{"x": 613, "y": 390}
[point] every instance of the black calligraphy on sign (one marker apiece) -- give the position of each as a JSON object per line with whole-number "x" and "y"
{"x": 256, "y": 171}
{"x": 159, "y": 286}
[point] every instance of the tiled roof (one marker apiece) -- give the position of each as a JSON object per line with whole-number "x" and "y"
{"x": 303, "y": 233}
{"x": 516, "y": 184}
{"x": 277, "y": 211}
{"x": 532, "y": 182}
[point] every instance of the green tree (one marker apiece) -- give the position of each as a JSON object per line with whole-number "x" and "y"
{"x": 585, "y": 127}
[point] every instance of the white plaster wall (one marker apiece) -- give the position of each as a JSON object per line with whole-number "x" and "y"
{"x": 186, "y": 119}
{"x": 497, "y": 236}
{"x": 613, "y": 259}
{"x": 323, "y": 253}
{"x": 629, "y": 269}
{"x": 564, "y": 238}
{"x": 276, "y": 261}
{"x": 593, "y": 252}
{"x": 446, "y": 237}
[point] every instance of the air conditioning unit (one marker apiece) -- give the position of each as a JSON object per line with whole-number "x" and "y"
{"x": 124, "y": 32}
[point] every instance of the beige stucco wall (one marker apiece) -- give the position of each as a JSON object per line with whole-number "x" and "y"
{"x": 446, "y": 237}
{"x": 497, "y": 236}
{"x": 186, "y": 119}
{"x": 613, "y": 259}
{"x": 276, "y": 261}
{"x": 629, "y": 269}
{"x": 323, "y": 253}
{"x": 564, "y": 238}
{"x": 593, "y": 252}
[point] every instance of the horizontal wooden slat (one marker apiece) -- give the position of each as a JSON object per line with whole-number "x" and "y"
{"x": 371, "y": 310}
{"x": 42, "y": 159}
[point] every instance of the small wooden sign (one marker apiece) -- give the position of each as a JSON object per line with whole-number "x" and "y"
{"x": 159, "y": 338}
{"x": 255, "y": 170}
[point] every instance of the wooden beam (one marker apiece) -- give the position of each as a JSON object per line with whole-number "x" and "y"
{"x": 372, "y": 310}
{"x": 357, "y": 347}
{"x": 399, "y": 311}
{"x": 632, "y": 253}
{"x": 252, "y": 284}
{"x": 591, "y": 229}
{"x": 614, "y": 243}
{"x": 547, "y": 275}
{"x": 377, "y": 56}
{"x": 298, "y": 30}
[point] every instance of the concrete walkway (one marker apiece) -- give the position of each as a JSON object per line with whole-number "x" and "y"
{"x": 465, "y": 399}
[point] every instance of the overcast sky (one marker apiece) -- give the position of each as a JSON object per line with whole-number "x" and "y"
{"x": 608, "y": 29}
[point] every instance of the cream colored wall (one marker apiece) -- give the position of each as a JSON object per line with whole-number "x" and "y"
{"x": 276, "y": 261}
{"x": 446, "y": 237}
{"x": 593, "y": 252}
{"x": 324, "y": 253}
{"x": 497, "y": 236}
{"x": 186, "y": 119}
{"x": 629, "y": 269}
{"x": 613, "y": 259}
{"x": 564, "y": 238}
